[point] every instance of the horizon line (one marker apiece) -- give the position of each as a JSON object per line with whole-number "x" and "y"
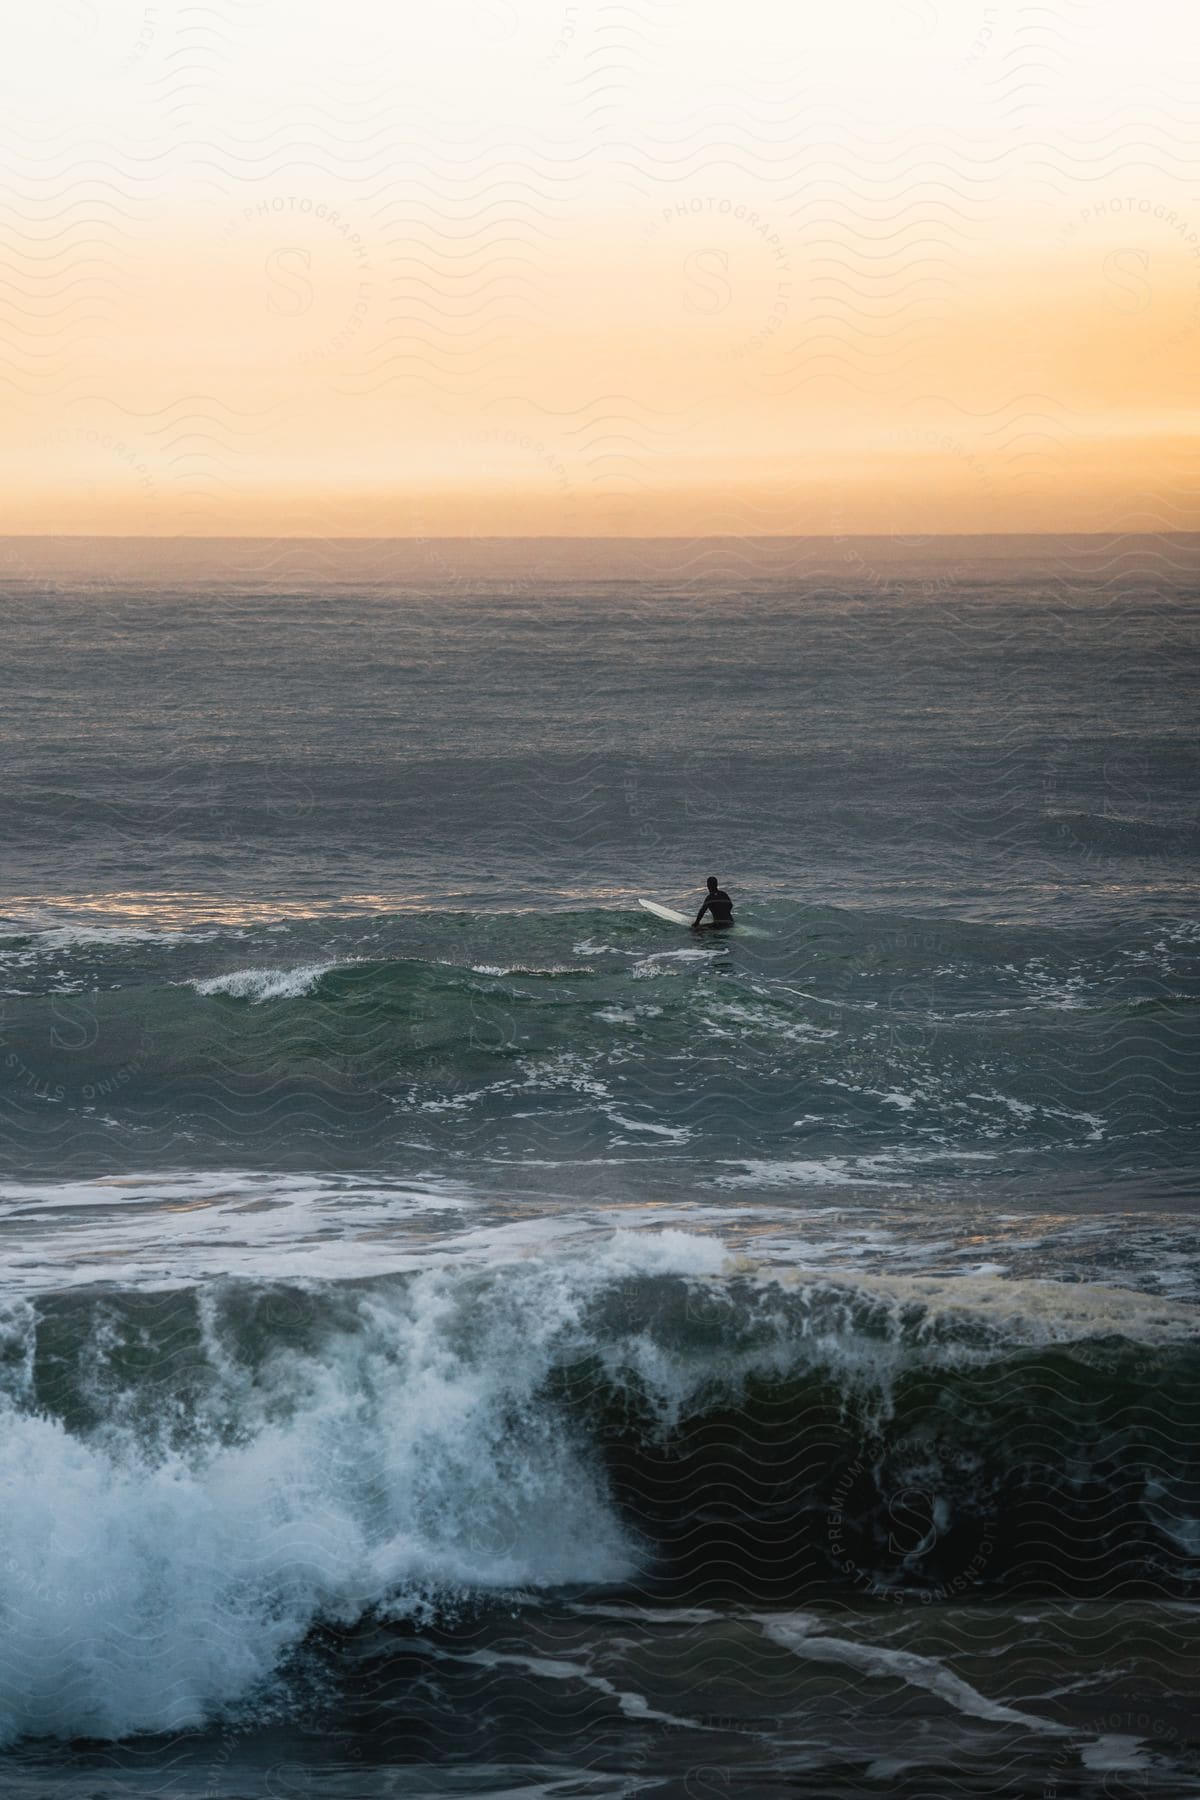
{"x": 913, "y": 542}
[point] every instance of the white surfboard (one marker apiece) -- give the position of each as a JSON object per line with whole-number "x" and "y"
{"x": 665, "y": 912}
{"x": 677, "y": 918}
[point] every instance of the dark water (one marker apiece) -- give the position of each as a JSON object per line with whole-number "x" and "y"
{"x": 462, "y": 1335}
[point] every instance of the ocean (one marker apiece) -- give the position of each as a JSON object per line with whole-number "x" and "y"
{"x": 463, "y": 1335}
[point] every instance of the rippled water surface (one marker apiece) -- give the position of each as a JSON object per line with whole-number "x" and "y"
{"x": 462, "y": 1334}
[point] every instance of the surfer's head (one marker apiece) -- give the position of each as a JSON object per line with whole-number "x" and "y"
{"x": 713, "y": 884}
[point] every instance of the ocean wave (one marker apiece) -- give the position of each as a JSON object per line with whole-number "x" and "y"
{"x": 267, "y": 984}
{"x": 853, "y": 1044}
{"x": 190, "y": 1482}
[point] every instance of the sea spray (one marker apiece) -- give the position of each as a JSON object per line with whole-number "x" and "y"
{"x": 191, "y": 1481}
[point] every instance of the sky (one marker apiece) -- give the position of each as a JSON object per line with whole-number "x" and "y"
{"x": 662, "y": 267}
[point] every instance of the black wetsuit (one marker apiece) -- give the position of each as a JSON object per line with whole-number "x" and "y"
{"x": 720, "y": 906}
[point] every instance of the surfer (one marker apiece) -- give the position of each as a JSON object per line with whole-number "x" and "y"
{"x": 717, "y": 903}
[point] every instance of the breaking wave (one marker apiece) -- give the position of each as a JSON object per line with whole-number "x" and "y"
{"x": 192, "y": 1482}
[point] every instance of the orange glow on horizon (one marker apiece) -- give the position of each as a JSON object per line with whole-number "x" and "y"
{"x": 526, "y": 271}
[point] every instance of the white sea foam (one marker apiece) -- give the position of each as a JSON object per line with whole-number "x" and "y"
{"x": 834, "y": 1171}
{"x": 221, "y": 1222}
{"x": 406, "y": 1461}
{"x": 671, "y": 1134}
{"x": 1114, "y": 1753}
{"x": 69, "y": 937}
{"x": 258, "y": 985}
{"x": 662, "y": 1253}
{"x": 409, "y": 1460}
{"x": 528, "y": 969}
{"x": 161, "y": 1230}
{"x": 806, "y": 1636}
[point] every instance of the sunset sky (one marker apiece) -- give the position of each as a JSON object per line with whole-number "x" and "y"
{"x": 489, "y": 267}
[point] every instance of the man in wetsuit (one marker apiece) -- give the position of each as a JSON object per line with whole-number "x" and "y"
{"x": 718, "y": 904}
